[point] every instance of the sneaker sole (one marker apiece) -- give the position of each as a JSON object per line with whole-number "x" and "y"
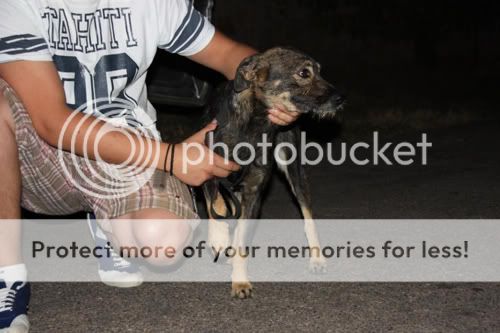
{"x": 19, "y": 325}
{"x": 121, "y": 280}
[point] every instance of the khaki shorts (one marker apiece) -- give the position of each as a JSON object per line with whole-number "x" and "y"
{"x": 48, "y": 189}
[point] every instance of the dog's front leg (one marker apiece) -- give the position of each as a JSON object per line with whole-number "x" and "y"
{"x": 241, "y": 286}
{"x": 251, "y": 200}
{"x": 317, "y": 263}
{"x": 297, "y": 179}
{"x": 218, "y": 231}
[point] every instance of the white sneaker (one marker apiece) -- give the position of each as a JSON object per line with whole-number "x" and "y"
{"x": 114, "y": 270}
{"x": 14, "y": 301}
{"x": 20, "y": 324}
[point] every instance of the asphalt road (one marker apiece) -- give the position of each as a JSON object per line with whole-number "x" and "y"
{"x": 461, "y": 181}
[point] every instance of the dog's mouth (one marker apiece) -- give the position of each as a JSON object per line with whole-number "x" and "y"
{"x": 328, "y": 109}
{"x": 325, "y": 111}
{"x": 323, "y": 106}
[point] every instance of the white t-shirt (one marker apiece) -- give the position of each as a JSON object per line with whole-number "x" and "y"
{"x": 102, "y": 48}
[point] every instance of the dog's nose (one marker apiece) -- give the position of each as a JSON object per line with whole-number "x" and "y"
{"x": 339, "y": 99}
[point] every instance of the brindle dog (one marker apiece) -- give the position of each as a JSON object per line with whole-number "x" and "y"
{"x": 280, "y": 76}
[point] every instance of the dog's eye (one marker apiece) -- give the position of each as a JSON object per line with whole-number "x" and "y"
{"x": 305, "y": 73}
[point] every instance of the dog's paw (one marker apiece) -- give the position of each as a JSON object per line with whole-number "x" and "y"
{"x": 242, "y": 290}
{"x": 317, "y": 265}
{"x": 218, "y": 236}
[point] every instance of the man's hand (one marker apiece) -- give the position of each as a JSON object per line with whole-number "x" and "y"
{"x": 195, "y": 163}
{"x": 281, "y": 116}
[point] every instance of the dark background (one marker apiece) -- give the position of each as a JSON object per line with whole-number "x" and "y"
{"x": 439, "y": 55}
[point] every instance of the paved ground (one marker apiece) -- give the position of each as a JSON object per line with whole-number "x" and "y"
{"x": 462, "y": 181}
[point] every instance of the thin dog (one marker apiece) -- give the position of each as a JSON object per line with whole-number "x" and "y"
{"x": 279, "y": 76}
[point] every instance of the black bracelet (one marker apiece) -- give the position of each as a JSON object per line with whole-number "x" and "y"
{"x": 166, "y": 158}
{"x": 172, "y": 161}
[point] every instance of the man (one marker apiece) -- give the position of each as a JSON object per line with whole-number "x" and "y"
{"x": 57, "y": 56}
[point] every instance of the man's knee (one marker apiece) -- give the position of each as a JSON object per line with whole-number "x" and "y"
{"x": 161, "y": 236}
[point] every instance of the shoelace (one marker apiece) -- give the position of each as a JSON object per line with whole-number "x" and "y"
{"x": 7, "y": 297}
{"x": 118, "y": 261}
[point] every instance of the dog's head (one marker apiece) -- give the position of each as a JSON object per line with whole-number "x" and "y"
{"x": 283, "y": 76}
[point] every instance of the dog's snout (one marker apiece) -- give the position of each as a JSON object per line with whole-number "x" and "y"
{"x": 334, "y": 96}
{"x": 339, "y": 99}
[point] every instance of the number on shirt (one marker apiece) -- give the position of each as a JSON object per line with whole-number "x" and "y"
{"x": 111, "y": 75}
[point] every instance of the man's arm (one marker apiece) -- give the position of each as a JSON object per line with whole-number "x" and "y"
{"x": 225, "y": 55}
{"x": 41, "y": 91}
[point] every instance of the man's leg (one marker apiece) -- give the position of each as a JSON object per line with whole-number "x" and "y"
{"x": 152, "y": 228}
{"x": 10, "y": 191}
{"x": 159, "y": 215}
{"x": 14, "y": 290}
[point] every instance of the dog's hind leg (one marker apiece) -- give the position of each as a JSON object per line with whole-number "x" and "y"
{"x": 297, "y": 179}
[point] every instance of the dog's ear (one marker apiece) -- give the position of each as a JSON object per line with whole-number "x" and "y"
{"x": 241, "y": 83}
{"x": 249, "y": 71}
